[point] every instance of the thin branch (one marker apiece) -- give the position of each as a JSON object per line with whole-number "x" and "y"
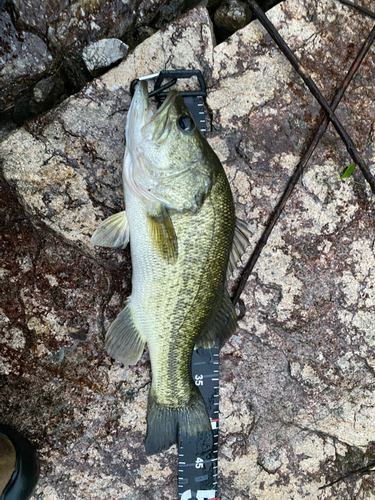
{"x": 241, "y": 281}
{"x": 314, "y": 90}
{"x": 359, "y": 8}
{"x": 364, "y": 470}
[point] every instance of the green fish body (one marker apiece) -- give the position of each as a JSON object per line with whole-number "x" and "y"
{"x": 182, "y": 228}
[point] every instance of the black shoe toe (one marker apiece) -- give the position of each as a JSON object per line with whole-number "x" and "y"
{"x": 25, "y": 476}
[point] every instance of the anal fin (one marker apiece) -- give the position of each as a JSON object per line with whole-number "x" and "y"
{"x": 124, "y": 341}
{"x": 222, "y": 325}
{"x": 112, "y": 232}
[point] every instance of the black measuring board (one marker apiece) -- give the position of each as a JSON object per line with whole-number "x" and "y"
{"x": 197, "y": 473}
{"x": 196, "y": 108}
{"x": 193, "y": 98}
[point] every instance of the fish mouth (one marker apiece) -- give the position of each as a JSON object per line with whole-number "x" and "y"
{"x": 145, "y": 124}
{"x": 147, "y": 130}
{"x": 167, "y": 103}
{"x": 142, "y": 112}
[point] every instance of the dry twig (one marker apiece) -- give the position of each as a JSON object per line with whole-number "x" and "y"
{"x": 263, "y": 19}
{"x": 241, "y": 281}
{"x": 359, "y": 8}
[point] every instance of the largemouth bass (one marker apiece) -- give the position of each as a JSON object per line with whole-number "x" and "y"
{"x": 183, "y": 234}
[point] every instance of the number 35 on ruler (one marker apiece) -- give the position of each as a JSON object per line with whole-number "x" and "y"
{"x": 201, "y": 495}
{"x": 198, "y": 379}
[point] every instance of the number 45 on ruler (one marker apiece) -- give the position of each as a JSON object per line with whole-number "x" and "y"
{"x": 201, "y": 495}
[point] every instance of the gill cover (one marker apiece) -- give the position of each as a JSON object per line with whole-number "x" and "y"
{"x": 167, "y": 159}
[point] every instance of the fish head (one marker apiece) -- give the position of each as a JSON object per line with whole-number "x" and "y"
{"x": 167, "y": 159}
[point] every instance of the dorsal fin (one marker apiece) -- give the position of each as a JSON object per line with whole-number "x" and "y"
{"x": 240, "y": 243}
{"x": 222, "y": 326}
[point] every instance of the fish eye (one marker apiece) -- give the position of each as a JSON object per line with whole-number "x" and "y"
{"x": 185, "y": 123}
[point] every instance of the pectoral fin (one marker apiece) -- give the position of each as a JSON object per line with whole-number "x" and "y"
{"x": 124, "y": 341}
{"x": 222, "y": 326}
{"x": 112, "y": 232}
{"x": 240, "y": 243}
{"x": 163, "y": 234}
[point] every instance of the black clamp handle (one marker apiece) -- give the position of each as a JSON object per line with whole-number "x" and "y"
{"x": 159, "y": 89}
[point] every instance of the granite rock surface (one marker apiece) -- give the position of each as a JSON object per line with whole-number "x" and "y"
{"x": 297, "y": 379}
{"x": 231, "y": 16}
{"x": 40, "y": 39}
{"x": 104, "y": 54}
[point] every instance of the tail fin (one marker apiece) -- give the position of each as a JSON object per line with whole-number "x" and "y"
{"x": 167, "y": 426}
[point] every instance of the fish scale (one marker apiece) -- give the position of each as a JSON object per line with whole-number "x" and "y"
{"x": 183, "y": 322}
